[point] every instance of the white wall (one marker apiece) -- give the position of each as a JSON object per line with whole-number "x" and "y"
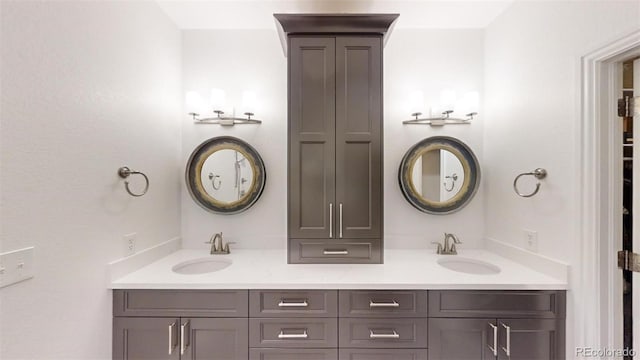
{"x": 87, "y": 87}
{"x": 532, "y": 92}
{"x": 237, "y": 60}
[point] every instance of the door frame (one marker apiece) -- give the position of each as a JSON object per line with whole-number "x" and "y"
{"x": 599, "y": 149}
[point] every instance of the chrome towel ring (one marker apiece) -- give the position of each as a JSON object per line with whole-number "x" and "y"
{"x": 538, "y": 173}
{"x": 124, "y": 173}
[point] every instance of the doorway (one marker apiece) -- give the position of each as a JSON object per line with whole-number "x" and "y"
{"x": 606, "y": 158}
{"x": 629, "y": 70}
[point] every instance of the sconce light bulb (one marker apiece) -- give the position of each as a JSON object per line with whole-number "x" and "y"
{"x": 448, "y": 99}
{"x": 249, "y": 100}
{"x": 471, "y": 101}
{"x": 218, "y": 99}
{"x": 416, "y": 102}
{"x": 193, "y": 103}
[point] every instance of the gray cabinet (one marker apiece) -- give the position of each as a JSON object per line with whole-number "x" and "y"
{"x": 338, "y": 324}
{"x": 531, "y": 339}
{"x": 293, "y": 303}
{"x": 383, "y": 303}
{"x": 145, "y": 338}
{"x": 383, "y": 333}
{"x": 180, "y": 324}
{"x": 179, "y": 338}
{"x": 335, "y": 149}
{"x": 393, "y": 322}
{"x": 460, "y": 339}
{"x": 181, "y": 303}
{"x": 293, "y": 324}
{"x": 496, "y": 325}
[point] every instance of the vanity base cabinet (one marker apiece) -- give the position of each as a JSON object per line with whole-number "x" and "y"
{"x": 497, "y": 325}
{"x": 179, "y": 338}
{"x": 220, "y": 339}
{"x": 382, "y": 324}
{"x": 460, "y": 339}
{"x": 532, "y": 339}
{"x": 383, "y": 333}
{"x": 145, "y": 338}
{"x": 180, "y": 324}
{"x": 293, "y": 333}
{"x": 339, "y": 325}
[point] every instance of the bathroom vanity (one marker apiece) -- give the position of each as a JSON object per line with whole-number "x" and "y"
{"x": 259, "y": 308}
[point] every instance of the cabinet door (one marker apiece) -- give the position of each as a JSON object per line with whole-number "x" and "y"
{"x": 531, "y": 339}
{"x": 461, "y": 339}
{"x": 311, "y": 137}
{"x": 146, "y": 338}
{"x": 220, "y": 339}
{"x": 359, "y": 136}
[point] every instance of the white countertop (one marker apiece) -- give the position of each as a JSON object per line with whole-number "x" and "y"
{"x": 402, "y": 269}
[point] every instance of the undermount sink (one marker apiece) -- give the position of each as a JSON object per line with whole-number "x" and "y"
{"x": 469, "y": 266}
{"x": 201, "y": 266}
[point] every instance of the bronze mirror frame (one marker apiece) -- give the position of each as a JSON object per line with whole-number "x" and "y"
{"x": 193, "y": 177}
{"x": 470, "y": 166}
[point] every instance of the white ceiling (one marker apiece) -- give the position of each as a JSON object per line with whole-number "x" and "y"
{"x": 258, "y": 14}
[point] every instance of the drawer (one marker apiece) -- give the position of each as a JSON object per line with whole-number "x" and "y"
{"x": 293, "y": 333}
{"x": 330, "y": 251}
{"x": 185, "y": 303}
{"x": 383, "y": 333}
{"x": 383, "y": 354}
{"x": 497, "y": 304}
{"x": 293, "y": 354}
{"x": 293, "y": 303}
{"x": 383, "y": 303}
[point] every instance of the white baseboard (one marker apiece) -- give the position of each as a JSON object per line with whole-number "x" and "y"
{"x": 126, "y": 265}
{"x": 540, "y": 263}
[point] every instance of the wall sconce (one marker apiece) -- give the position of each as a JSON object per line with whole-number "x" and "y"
{"x": 468, "y": 105}
{"x": 195, "y": 106}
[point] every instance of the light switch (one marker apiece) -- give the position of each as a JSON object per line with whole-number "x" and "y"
{"x": 16, "y": 266}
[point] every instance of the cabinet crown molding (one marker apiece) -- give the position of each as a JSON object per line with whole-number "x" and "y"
{"x": 377, "y": 24}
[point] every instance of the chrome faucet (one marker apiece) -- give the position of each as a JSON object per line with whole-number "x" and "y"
{"x": 218, "y": 246}
{"x": 449, "y": 248}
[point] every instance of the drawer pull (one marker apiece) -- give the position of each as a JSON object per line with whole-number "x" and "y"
{"x": 392, "y": 304}
{"x": 282, "y": 335}
{"x": 393, "y": 335}
{"x": 335, "y": 252}
{"x": 293, "y": 303}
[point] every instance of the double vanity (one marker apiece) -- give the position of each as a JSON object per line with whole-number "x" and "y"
{"x": 418, "y": 305}
{"x": 337, "y": 291}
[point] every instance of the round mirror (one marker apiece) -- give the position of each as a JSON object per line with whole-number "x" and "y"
{"x": 225, "y": 175}
{"x": 439, "y": 175}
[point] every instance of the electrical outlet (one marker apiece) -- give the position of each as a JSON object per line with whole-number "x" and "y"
{"x": 130, "y": 244}
{"x": 531, "y": 240}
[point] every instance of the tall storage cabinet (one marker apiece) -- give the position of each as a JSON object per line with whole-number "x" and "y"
{"x": 335, "y": 138}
